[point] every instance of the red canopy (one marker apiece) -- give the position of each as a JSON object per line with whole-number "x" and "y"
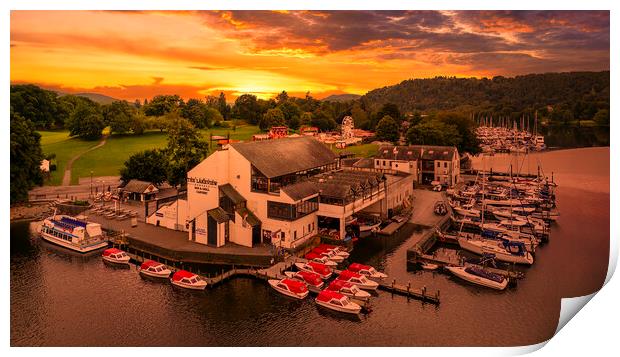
{"x": 327, "y": 295}
{"x": 180, "y": 274}
{"x": 150, "y": 263}
{"x": 311, "y": 256}
{"x": 357, "y": 267}
{"x": 326, "y": 246}
{"x": 319, "y": 268}
{"x": 336, "y": 285}
{"x": 347, "y": 274}
{"x": 310, "y": 278}
{"x": 295, "y": 286}
{"x": 111, "y": 251}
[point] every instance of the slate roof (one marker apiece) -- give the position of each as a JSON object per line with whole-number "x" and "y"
{"x": 300, "y": 190}
{"x": 250, "y": 218}
{"x": 416, "y": 152}
{"x": 218, "y": 214}
{"x": 285, "y": 156}
{"x": 137, "y": 186}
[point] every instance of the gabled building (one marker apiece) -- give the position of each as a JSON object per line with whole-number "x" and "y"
{"x": 426, "y": 163}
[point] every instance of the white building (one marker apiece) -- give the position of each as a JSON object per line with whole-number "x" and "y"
{"x": 279, "y": 192}
{"x": 426, "y": 163}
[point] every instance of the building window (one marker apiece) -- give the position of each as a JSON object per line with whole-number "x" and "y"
{"x": 295, "y": 235}
{"x": 438, "y": 164}
{"x": 289, "y": 212}
{"x": 377, "y": 162}
{"x": 445, "y": 164}
{"x": 309, "y": 229}
{"x": 395, "y": 165}
{"x": 384, "y": 164}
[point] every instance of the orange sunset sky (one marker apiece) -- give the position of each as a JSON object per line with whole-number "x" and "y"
{"x": 131, "y": 55}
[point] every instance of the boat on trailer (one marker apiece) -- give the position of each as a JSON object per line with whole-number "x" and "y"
{"x": 479, "y": 276}
{"x": 188, "y": 280}
{"x": 290, "y": 287}
{"x": 337, "y": 302}
{"x": 114, "y": 255}
{"x": 72, "y": 233}
{"x": 154, "y": 269}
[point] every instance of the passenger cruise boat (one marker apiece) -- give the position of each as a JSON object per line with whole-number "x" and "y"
{"x": 323, "y": 270}
{"x": 480, "y": 276}
{"x": 320, "y": 259}
{"x": 348, "y": 289}
{"x": 312, "y": 279}
{"x": 337, "y": 302}
{"x": 366, "y": 270}
{"x": 114, "y": 255}
{"x": 290, "y": 287}
{"x": 358, "y": 280}
{"x": 187, "y": 280}
{"x": 154, "y": 269}
{"x": 73, "y": 233}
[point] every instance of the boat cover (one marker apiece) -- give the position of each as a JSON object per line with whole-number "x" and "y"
{"x": 295, "y": 286}
{"x": 484, "y": 274}
{"x": 310, "y": 278}
{"x": 111, "y": 251}
{"x": 327, "y": 295}
{"x": 356, "y": 267}
{"x": 336, "y": 285}
{"x": 320, "y": 268}
{"x": 149, "y": 263}
{"x": 347, "y": 274}
{"x": 180, "y": 274}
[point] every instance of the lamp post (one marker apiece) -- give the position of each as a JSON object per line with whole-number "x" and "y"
{"x": 91, "y": 185}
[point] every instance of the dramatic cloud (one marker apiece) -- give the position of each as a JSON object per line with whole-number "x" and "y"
{"x": 135, "y": 54}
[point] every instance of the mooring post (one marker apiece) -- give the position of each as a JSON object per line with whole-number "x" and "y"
{"x": 393, "y": 282}
{"x": 408, "y": 287}
{"x": 437, "y": 295}
{"x": 424, "y": 292}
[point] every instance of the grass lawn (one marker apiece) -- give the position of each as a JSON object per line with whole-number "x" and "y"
{"x": 59, "y": 143}
{"x": 363, "y": 150}
{"x": 108, "y": 160}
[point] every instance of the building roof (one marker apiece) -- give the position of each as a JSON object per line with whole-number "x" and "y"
{"x": 250, "y": 218}
{"x": 300, "y": 190}
{"x": 343, "y": 183}
{"x": 137, "y": 186}
{"x": 218, "y": 214}
{"x": 416, "y": 152}
{"x": 231, "y": 193}
{"x": 285, "y": 156}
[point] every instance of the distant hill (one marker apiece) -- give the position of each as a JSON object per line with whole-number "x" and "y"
{"x": 96, "y": 97}
{"x": 495, "y": 94}
{"x": 341, "y": 97}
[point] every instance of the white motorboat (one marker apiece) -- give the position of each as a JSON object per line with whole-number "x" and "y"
{"x": 75, "y": 234}
{"x": 335, "y": 249}
{"x": 503, "y": 251}
{"x": 290, "y": 287}
{"x": 323, "y": 270}
{"x": 429, "y": 266}
{"x": 337, "y": 302}
{"x": 312, "y": 279}
{"x": 358, "y": 280}
{"x": 329, "y": 254}
{"x": 154, "y": 269}
{"x": 116, "y": 256}
{"x": 348, "y": 289}
{"x": 320, "y": 259}
{"x": 480, "y": 276}
{"x": 366, "y": 270}
{"x": 188, "y": 280}
{"x": 471, "y": 212}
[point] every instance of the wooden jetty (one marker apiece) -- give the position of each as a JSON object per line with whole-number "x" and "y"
{"x": 394, "y": 227}
{"x": 409, "y": 291}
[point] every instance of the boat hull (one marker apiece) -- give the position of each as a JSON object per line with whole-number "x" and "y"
{"x": 162, "y": 274}
{"x": 478, "y": 280}
{"x": 124, "y": 260}
{"x": 274, "y": 284}
{"x": 480, "y": 248}
{"x": 352, "y": 308}
{"x": 200, "y": 286}
{"x": 72, "y": 246}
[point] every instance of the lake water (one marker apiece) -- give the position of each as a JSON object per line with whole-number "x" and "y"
{"x": 60, "y": 298}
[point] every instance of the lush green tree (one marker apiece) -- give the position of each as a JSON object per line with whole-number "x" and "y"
{"x": 273, "y": 117}
{"x": 360, "y": 117}
{"x": 37, "y": 105}
{"x": 390, "y": 109}
{"x": 466, "y": 128}
{"x": 185, "y": 149}
{"x": 282, "y": 97}
{"x": 139, "y": 123}
{"x": 246, "y": 108}
{"x": 26, "y": 156}
{"x": 162, "y": 104}
{"x": 602, "y": 117}
{"x": 433, "y": 132}
{"x": 306, "y": 118}
{"x": 387, "y": 129}
{"x": 323, "y": 120}
{"x": 148, "y": 165}
{"x": 196, "y": 112}
{"x": 222, "y": 106}
{"x": 119, "y": 115}
{"x": 213, "y": 116}
{"x": 291, "y": 112}
{"x": 85, "y": 122}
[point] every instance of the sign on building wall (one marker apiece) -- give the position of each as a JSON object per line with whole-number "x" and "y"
{"x": 202, "y": 185}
